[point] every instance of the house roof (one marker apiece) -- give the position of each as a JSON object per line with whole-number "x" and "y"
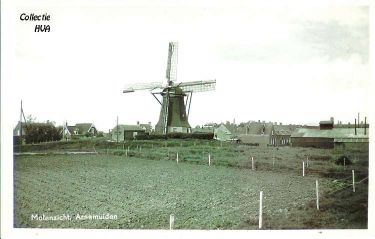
{"x": 223, "y": 128}
{"x": 257, "y": 128}
{"x": 84, "y": 127}
{"x": 71, "y": 129}
{"x": 343, "y": 133}
{"x": 325, "y": 122}
{"x": 283, "y": 129}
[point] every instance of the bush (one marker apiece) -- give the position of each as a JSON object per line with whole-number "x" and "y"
{"x": 41, "y": 132}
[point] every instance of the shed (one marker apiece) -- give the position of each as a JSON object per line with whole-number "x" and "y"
{"x": 222, "y": 133}
{"x": 126, "y": 132}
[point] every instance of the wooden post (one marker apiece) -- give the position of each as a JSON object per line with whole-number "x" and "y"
{"x": 353, "y": 181}
{"x": 260, "y": 209}
{"x": 303, "y": 168}
{"x": 209, "y": 160}
{"x": 252, "y": 163}
{"x": 317, "y": 194}
{"x": 171, "y": 221}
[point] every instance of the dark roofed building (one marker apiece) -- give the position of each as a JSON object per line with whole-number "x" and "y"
{"x": 326, "y": 124}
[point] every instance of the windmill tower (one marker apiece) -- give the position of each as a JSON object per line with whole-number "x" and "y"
{"x": 175, "y": 97}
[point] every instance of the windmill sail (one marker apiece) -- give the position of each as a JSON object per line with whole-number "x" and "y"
{"x": 171, "y": 72}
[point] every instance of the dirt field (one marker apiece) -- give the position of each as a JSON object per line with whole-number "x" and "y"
{"x": 142, "y": 193}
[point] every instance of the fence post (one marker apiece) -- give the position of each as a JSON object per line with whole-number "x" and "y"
{"x": 317, "y": 194}
{"x": 260, "y": 209}
{"x": 303, "y": 168}
{"x": 353, "y": 181}
{"x": 171, "y": 221}
{"x": 252, "y": 163}
{"x": 177, "y": 157}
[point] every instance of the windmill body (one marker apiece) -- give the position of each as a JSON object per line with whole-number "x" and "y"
{"x": 175, "y": 97}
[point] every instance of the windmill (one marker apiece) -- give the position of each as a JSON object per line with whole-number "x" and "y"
{"x": 174, "y": 112}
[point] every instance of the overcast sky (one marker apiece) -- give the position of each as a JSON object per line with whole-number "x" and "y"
{"x": 287, "y": 64}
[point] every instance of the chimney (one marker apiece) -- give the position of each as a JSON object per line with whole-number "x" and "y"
{"x": 137, "y": 122}
{"x": 280, "y": 123}
{"x": 332, "y": 119}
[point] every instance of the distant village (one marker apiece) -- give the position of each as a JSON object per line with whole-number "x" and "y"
{"x": 257, "y": 133}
